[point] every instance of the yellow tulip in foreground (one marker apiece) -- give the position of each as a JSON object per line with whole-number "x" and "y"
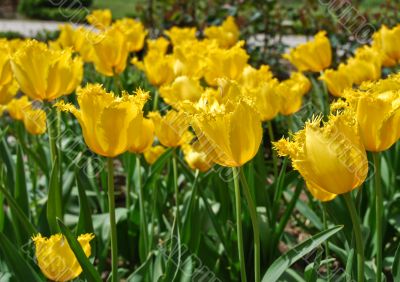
{"x": 387, "y": 42}
{"x": 377, "y": 108}
{"x": 315, "y": 55}
{"x": 108, "y": 122}
{"x": 226, "y": 35}
{"x": 44, "y": 74}
{"x": 55, "y": 257}
{"x": 331, "y": 158}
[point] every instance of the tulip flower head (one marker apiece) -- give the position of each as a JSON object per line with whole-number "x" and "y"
{"x": 108, "y": 122}
{"x": 45, "y": 74}
{"x": 337, "y": 80}
{"x": 196, "y": 159}
{"x": 157, "y": 67}
{"x": 153, "y": 153}
{"x": 55, "y": 257}
{"x": 315, "y": 55}
{"x": 134, "y": 31}
{"x": 331, "y": 158}
{"x": 387, "y": 41}
{"x": 182, "y": 89}
{"x": 100, "y": 19}
{"x": 177, "y": 35}
{"x": 226, "y": 35}
{"x": 291, "y": 92}
{"x": 8, "y": 86}
{"x": 159, "y": 45}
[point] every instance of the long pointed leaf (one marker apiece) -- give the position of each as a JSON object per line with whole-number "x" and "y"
{"x": 54, "y": 208}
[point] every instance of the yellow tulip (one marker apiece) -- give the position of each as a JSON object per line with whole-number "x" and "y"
{"x": 291, "y": 92}
{"x": 45, "y": 74}
{"x": 251, "y": 77}
{"x": 159, "y": 45}
{"x": 35, "y": 121}
{"x": 111, "y": 50}
{"x": 189, "y": 59}
{"x": 267, "y": 100}
{"x": 229, "y": 131}
{"x": 134, "y": 31}
{"x": 196, "y": 159}
{"x": 225, "y": 63}
{"x": 8, "y": 92}
{"x": 182, "y": 89}
{"x": 17, "y": 107}
{"x": 157, "y": 67}
{"x": 315, "y": 55}
{"x": 331, "y": 159}
{"x": 366, "y": 65}
{"x": 6, "y": 75}
{"x": 100, "y": 19}
{"x": 107, "y": 121}
{"x": 177, "y": 35}
{"x": 337, "y": 80}
{"x": 152, "y": 154}
{"x": 56, "y": 259}
{"x": 387, "y": 42}
{"x": 141, "y": 135}
{"x": 377, "y": 108}
{"x": 226, "y": 35}
{"x": 171, "y": 129}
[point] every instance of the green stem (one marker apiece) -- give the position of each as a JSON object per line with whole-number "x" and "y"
{"x": 51, "y": 130}
{"x": 325, "y": 97}
{"x": 378, "y": 214}
{"x": 239, "y": 229}
{"x": 155, "y": 102}
{"x": 254, "y": 221}
{"x": 326, "y": 243}
{"x": 117, "y": 83}
{"x": 143, "y": 219}
{"x": 176, "y": 190}
{"x": 274, "y": 156}
{"x": 113, "y": 225}
{"x": 358, "y": 235}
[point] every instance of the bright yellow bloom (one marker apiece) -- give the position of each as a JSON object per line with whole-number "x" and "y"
{"x": 366, "y": 65}
{"x": 8, "y": 92}
{"x": 107, "y": 121}
{"x": 157, "y": 67}
{"x": 315, "y": 55}
{"x": 196, "y": 159}
{"x": 153, "y": 153}
{"x": 159, "y": 45}
{"x": 337, "y": 80}
{"x": 45, "y": 74}
{"x": 100, "y": 19}
{"x": 252, "y": 77}
{"x": 6, "y": 75}
{"x": 266, "y": 99}
{"x": 141, "y": 134}
{"x": 387, "y": 42}
{"x": 111, "y": 49}
{"x": 17, "y": 107}
{"x": 228, "y": 130}
{"x": 225, "y": 63}
{"x": 291, "y": 92}
{"x": 35, "y": 121}
{"x": 177, "y": 35}
{"x": 226, "y": 35}
{"x": 377, "y": 108}
{"x": 171, "y": 129}
{"x": 189, "y": 58}
{"x": 134, "y": 31}
{"x": 55, "y": 257}
{"x": 182, "y": 89}
{"x": 331, "y": 159}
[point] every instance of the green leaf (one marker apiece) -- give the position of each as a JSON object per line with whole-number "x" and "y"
{"x": 21, "y": 269}
{"x": 140, "y": 273}
{"x": 21, "y": 194}
{"x": 88, "y": 269}
{"x": 286, "y": 260}
{"x": 7, "y": 159}
{"x": 85, "y": 223}
{"x": 396, "y": 265}
{"x": 54, "y": 208}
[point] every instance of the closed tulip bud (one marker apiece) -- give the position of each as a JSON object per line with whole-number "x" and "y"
{"x": 157, "y": 67}
{"x": 337, "y": 80}
{"x": 134, "y": 31}
{"x": 226, "y": 35}
{"x": 44, "y": 74}
{"x": 111, "y": 50}
{"x": 153, "y": 153}
{"x": 182, "y": 89}
{"x": 387, "y": 41}
{"x": 196, "y": 159}
{"x": 159, "y": 45}
{"x": 171, "y": 129}
{"x": 177, "y": 35}
{"x": 331, "y": 159}
{"x": 225, "y": 63}
{"x": 291, "y": 92}
{"x": 100, "y": 19}
{"x": 17, "y": 107}
{"x": 141, "y": 133}
{"x": 315, "y": 55}
{"x": 55, "y": 258}
{"x": 377, "y": 108}
{"x": 35, "y": 121}
{"x": 107, "y": 121}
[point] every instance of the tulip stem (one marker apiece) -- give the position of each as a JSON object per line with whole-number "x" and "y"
{"x": 254, "y": 220}
{"x": 52, "y": 132}
{"x": 117, "y": 83}
{"x": 113, "y": 226}
{"x": 274, "y": 156}
{"x": 378, "y": 214}
{"x": 155, "y": 102}
{"x": 325, "y": 97}
{"x": 143, "y": 219}
{"x": 358, "y": 235}
{"x": 239, "y": 229}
